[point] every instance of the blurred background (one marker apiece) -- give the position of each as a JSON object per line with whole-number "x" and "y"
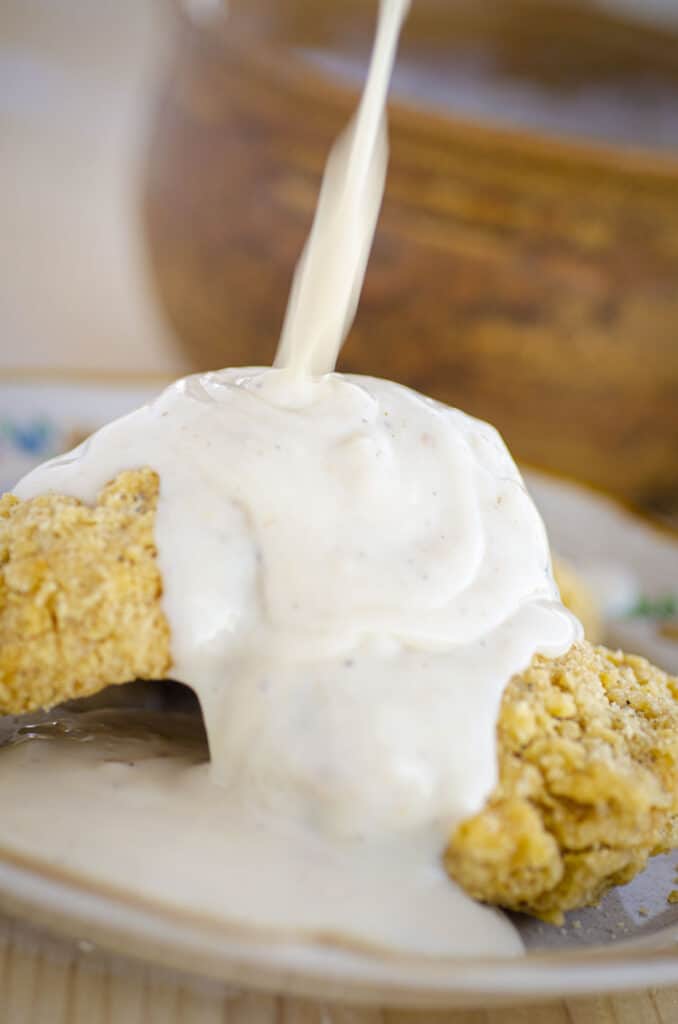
{"x": 159, "y": 165}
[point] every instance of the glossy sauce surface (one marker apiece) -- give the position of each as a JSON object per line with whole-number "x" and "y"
{"x": 125, "y": 802}
{"x": 351, "y": 574}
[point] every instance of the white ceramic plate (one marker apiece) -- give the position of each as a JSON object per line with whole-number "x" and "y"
{"x": 628, "y": 942}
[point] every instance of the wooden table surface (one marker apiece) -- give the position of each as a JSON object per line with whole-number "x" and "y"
{"x": 45, "y": 981}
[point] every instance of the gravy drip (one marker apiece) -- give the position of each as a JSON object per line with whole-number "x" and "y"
{"x": 329, "y": 276}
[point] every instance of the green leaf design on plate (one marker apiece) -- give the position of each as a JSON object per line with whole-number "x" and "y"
{"x": 665, "y": 607}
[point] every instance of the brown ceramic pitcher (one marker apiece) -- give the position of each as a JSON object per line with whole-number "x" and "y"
{"x": 530, "y": 279}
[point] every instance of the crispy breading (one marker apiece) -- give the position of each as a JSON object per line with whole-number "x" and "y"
{"x": 588, "y": 784}
{"x": 576, "y": 595}
{"x": 80, "y": 593}
{"x": 587, "y": 743}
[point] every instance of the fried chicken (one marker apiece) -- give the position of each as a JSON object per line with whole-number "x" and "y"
{"x": 80, "y": 593}
{"x": 587, "y": 743}
{"x": 588, "y": 784}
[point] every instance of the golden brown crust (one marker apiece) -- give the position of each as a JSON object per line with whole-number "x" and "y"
{"x": 588, "y": 743}
{"x": 588, "y": 784}
{"x": 80, "y": 594}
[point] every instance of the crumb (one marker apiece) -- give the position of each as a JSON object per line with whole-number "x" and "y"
{"x": 588, "y": 784}
{"x": 587, "y": 743}
{"x": 672, "y": 896}
{"x": 643, "y": 912}
{"x": 80, "y": 593}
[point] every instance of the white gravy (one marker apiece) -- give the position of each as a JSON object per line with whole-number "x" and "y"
{"x": 350, "y": 582}
{"x": 352, "y": 572}
{"x": 138, "y": 813}
{"x": 329, "y": 276}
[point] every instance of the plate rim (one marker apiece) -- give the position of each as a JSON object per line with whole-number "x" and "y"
{"x": 220, "y": 954}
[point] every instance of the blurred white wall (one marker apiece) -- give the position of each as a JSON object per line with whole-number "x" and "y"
{"x": 76, "y": 82}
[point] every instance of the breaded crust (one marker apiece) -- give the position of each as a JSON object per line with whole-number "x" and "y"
{"x": 80, "y": 594}
{"x": 588, "y": 784}
{"x": 587, "y": 743}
